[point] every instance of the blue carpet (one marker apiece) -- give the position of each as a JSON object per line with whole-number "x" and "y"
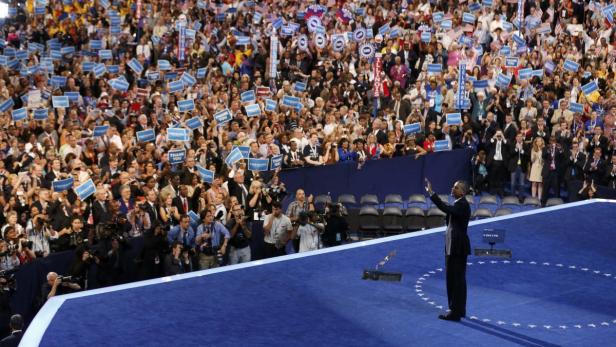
{"x": 557, "y": 290}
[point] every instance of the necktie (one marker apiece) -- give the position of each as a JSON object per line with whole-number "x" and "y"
{"x": 185, "y": 237}
{"x": 185, "y": 205}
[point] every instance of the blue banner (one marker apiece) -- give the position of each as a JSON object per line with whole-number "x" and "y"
{"x": 255, "y": 164}
{"x": 105, "y": 54}
{"x": 270, "y": 105}
{"x": 223, "y": 116}
{"x": 177, "y": 134}
{"x": 435, "y": 68}
{"x": 441, "y": 145}
{"x": 276, "y": 162}
{"x": 290, "y": 101}
{"x": 136, "y": 66}
{"x": 248, "y": 96}
{"x": 206, "y": 175}
{"x": 245, "y": 151}
{"x": 186, "y": 105}
{"x": 525, "y": 74}
{"x": 468, "y": 18}
{"x": 194, "y": 123}
{"x": 164, "y": 65}
{"x": 6, "y": 105}
{"x": 188, "y": 79}
{"x": 59, "y": 101}
{"x": 233, "y": 157}
{"x": 412, "y": 128}
{"x": 20, "y": 114}
{"x": 62, "y": 185}
{"x": 85, "y": 190}
{"x": 576, "y": 107}
{"x": 480, "y": 84}
{"x": 147, "y": 135}
{"x": 454, "y": 118}
{"x": 41, "y": 114}
{"x": 99, "y": 70}
{"x": 100, "y": 130}
{"x": 176, "y": 86}
{"x": 253, "y": 110}
{"x": 571, "y": 66}
{"x": 176, "y": 156}
{"x": 590, "y": 87}
{"x": 300, "y": 86}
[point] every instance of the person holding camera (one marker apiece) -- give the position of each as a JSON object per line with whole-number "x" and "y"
{"x": 139, "y": 219}
{"x": 212, "y": 238}
{"x": 8, "y": 257}
{"x": 308, "y": 231}
{"x": 57, "y": 285}
{"x": 182, "y": 233}
{"x": 69, "y": 237}
{"x": 498, "y": 156}
{"x": 259, "y": 200}
{"x": 178, "y": 261}
{"x": 239, "y": 250}
{"x": 336, "y": 227}
{"x": 277, "y": 229}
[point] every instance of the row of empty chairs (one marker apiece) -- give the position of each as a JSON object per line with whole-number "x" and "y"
{"x": 487, "y": 201}
{"x": 373, "y": 218}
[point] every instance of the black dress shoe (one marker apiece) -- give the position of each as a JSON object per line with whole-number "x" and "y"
{"x": 449, "y": 317}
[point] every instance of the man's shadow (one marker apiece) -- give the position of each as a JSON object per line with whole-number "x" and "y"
{"x": 505, "y": 334}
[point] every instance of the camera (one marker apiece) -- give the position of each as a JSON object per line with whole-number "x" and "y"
{"x": 26, "y": 243}
{"x": 105, "y": 231}
{"x": 7, "y": 280}
{"x": 69, "y": 279}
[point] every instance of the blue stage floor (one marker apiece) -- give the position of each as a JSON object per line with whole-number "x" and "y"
{"x": 557, "y": 290}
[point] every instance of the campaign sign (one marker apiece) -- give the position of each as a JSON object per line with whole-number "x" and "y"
{"x": 255, "y": 164}
{"x": 194, "y": 123}
{"x": 100, "y": 130}
{"x": 41, "y": 114}
{"x": 85, "y": 189}
{"x": 147, "y": 135}
{"x": 62, "y": 185}
{"x": 177, "y": 134}
{"x": 412, "y": 128}
{"x": 223, "y": 116}
{"x": 441, "y": 145}
{"x": 276, "y": 162}
{"x": 176, "y": 156}
{"x": 186, "y": 105}
{"x": 454, "y": 118}
{"x": 206, "y": 175}
{"x": 59, "y": 101}
{"x": 233, "y": 157}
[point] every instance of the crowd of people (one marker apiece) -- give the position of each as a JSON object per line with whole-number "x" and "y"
{"x": 96, "y": 92}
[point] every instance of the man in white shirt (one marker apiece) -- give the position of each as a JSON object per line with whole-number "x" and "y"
{"x": 276, "y": 228}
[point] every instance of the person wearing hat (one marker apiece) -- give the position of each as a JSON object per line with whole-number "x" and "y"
{"x": 16, "y": 324}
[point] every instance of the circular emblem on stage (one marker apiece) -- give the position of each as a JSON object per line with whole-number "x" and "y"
{"x": 302, "y": 42}
{"x": 338, "y": 43}
{"x": 359, "y": 34}
{"x": 320, "y": 40}
{"x": 366, "y": 50}
{"x": 313, "y": 23}
{"x": 424, "y": 289}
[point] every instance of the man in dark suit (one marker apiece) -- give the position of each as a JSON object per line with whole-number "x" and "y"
{"x": 553, "y": 160}
{"x": 497, "y": 160}
{"x": 594, "y": 168}
{"x": 517, "y": 164}
{"x": 610, "y": 173}
{"x": 457, "y": 247}
{"x": 16, "y": 325}
{"x": 182, "y": 201}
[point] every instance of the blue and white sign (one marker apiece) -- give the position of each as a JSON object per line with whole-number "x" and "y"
{"x": 194, "y": 123}
{"x": 480, "y": 84}
{"x": 100, "y": 130}
{"x": 366, "y": 50}
{"x": 359, "y": 34}
{"x": 276, "y": 162}
{"x": 176, "y": 86}
{"x": 468, "y": 18}
{"x": 576, "y": 107}
{"x": 571, "y": 66}
{"x": 147, "y": 135}
{"x": 99, "y": 70}
{"x": 253, "y": 110}
{"x": 20, "y": 114}
{"x": 435, "y": 68}
{"x": 59, "y": 101}
{"x": 223, "y": 116}
{"x": 186, "y": 105}
{"x": 41, "y": 114}
{"x": 248, "y": 96}
{"x": 164, "y": 65}
{"x": 454, "y": 119}
{"x": 525, "y": 74}
{"x": 412, "y": 128}
{"x": 188, "y": 79}
{"x": 512, "y": 62}
{"x": 177, "y": 134}
{"x": 255, "y": 164}
{"x": 206, "y": 175}
{"x": 590, "y": 88}
{"x": 136, "y": 66}
{"x": 290, "y": 101}
{"x": 538, "y": 73}
{"x": 302, "y": 42}
{"x": 85, "y": 190}
{"x": 176, "y": 156}
{"x": 503, "y": 80}
{"x": 270, "y": 105}
{"x": 105, "y": 54}
{"x": 233, "y": 157}
{"x": 300, "y": 86}
{"x": 441, "y": 145}
{"x": 62, "y": 185}
{"x": 320, "y": 40}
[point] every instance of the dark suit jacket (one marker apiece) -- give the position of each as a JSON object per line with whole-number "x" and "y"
{"x": 11, "y": 340}
{"x": 597, "y": 174}
{"x": 515, "y": 155}
{"x": 177, "y": 202}
{"x": 510, "y": 132}
{"x": 575, "y": 166}
{"x": 558, "y": 160}
{"x": 99, "y": 214}
{"x": 458, "y": 215}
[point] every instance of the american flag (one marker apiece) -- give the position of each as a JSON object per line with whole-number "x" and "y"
{"x": 558, "y": 29}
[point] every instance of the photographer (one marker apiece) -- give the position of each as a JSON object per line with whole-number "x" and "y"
{"x": 139, "y": 220}
{"x": 208, "y": 238}
{"x": 259, "y": 200}
{"x": 276, "y": 229}
{"x": 39, "y": 233}
{"x": 241, "y": 233}
{"x": 8, "y": 258}
{"x": 80, "y": 269}
{"x": 178, "y": 261}
{"x": 152, "y": 254}
{"x": 57, "y": 285}
{"x": 276, "y": 189}
{"x": 19, "y": 245}
{"x": 308, "y": 231}
{"x": 336, "y": 227}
